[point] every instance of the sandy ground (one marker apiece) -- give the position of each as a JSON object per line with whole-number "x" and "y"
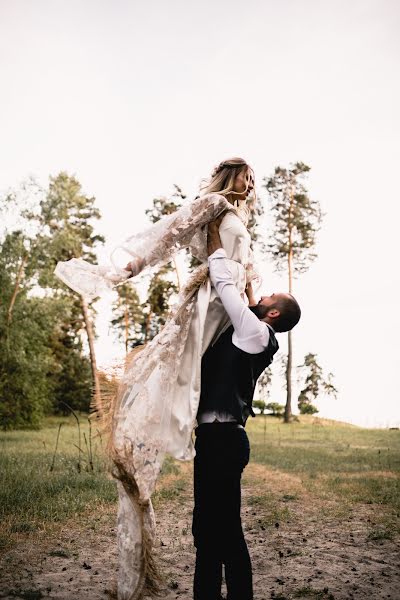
{"x": 301, "y": 547}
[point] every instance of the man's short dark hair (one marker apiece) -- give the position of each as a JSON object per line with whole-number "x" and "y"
{"x": 289, "y": 313}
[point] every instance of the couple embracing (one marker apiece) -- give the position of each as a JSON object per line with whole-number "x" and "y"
{"x": 197, "y": 375}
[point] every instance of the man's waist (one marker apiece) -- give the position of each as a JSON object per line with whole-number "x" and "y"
{"x": 211, "y": 416}
{"x": 217, "y": 427}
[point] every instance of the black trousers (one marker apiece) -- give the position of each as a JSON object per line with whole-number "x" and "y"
{"x": 222, "y": 452}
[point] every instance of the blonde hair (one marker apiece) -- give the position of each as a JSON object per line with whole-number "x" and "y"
{"x": 222, "y": 181}
{"x": 223, "y": 177}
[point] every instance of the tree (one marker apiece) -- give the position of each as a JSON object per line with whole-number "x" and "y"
{"x": 256, "y": 213}
{"x": 277, "y": 410}
{"x": 166, "y": 205}
{"x": 296, "y": 220}
{"x": 314, "y": 385}
{"x": 137, "y": 323}
{"x": 41, "y": 360}
{"x": 68, "y": 217}
{"x": 26, "y": 359}
{"x": 264, "y": 383}
{"x": 129, "y": 317}
{"x": 260, "y": 404}
{"x": 26, "y": 365}
{"x": 72, "y": 375}
{"x": 29, "y": 365}
{"x": 160, "y": 290}
{"x": 19, "y": 232}
{"x": 161, "y": 286}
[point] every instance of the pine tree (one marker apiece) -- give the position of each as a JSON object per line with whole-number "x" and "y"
{"x": 160, "y": 290}
{"x": 162, "y": 286}
{"x": 314, "y": 385}
{"x": 296, "y": 220}
{"x": 129, "y": 318}
{"x": 68, "y": 216}
{"x": 256, "y": 213}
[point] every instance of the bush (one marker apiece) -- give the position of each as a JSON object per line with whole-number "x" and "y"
{"x": 260, "y": 404}
{"x": 306, "y": 408}
{"x": 276, "y": 409}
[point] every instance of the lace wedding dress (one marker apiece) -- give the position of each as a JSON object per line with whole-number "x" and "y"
{"x": 154, "y": 410}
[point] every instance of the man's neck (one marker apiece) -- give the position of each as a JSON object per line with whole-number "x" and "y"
{"x": 268, "y": 322}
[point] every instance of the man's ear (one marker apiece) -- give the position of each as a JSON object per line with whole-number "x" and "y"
{"x": 273, "y": 313}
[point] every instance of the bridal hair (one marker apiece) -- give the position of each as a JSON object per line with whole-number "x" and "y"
{"x": 223, "y": 177}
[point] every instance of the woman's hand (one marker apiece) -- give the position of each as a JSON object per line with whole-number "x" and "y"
{"x": 134, "y": 266}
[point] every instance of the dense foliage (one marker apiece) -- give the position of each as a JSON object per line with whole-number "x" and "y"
{"x": 42, "y": 364}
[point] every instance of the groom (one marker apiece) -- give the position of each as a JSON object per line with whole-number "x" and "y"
{"x": 230, "y": 369}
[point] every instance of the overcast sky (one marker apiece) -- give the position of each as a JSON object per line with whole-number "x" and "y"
{"x": 132, "y": 97}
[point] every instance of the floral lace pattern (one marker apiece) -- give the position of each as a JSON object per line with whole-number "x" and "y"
{"x": 154, "y": 246}
{"x": 141, "y": 422}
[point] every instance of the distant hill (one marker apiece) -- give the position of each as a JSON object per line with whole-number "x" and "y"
{"x": 314, "y": 420}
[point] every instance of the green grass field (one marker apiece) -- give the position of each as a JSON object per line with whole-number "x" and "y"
{"x": 33, "y": 497}
{"x": 358, "y": 465}
{"x": 333, "y": 460}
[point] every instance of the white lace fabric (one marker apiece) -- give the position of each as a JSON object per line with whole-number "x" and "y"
{"x": 154, "y": 246}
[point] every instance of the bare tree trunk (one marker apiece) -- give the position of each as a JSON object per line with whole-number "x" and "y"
{"x": 288, "y": 406}
{"x": 90, "y": 335}
{"x": 16, "y": 289}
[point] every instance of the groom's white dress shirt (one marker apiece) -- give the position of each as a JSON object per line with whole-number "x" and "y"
{"x": 249, "y": 333}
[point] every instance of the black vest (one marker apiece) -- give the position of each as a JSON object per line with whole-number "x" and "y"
{"x": 229, "y": 376}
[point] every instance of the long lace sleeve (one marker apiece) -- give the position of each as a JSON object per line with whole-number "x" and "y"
{"x": 161, "y": 241}
{"x": 155, "y": 245}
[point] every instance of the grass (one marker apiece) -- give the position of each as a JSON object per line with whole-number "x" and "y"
{"x": 381, "y": 533}
{"x": 334, "y": 461}
{"x": 356, "y": 464}
{"x": 268, "y": 511}
{"x": 167, "y": 493}
{"x": 32, "y": 497}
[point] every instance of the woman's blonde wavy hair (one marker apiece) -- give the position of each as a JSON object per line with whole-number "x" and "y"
{"x": 223, "y": 177}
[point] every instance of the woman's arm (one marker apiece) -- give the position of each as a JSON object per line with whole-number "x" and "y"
{"x": 250, "y": 294}
{"x": 158, "y": 243}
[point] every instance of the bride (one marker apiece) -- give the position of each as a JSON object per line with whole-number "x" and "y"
{"x": 155, "y": 406}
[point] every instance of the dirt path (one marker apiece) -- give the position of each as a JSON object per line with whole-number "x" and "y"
{"x": 301, "y": 547}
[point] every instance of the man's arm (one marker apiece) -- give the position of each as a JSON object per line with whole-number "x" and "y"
{"x": 251, "y": 334}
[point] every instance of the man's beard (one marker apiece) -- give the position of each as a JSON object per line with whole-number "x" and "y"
{"x": 259, "y": 310}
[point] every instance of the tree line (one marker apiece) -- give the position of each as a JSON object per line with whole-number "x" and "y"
{"x": 47, "y": 331}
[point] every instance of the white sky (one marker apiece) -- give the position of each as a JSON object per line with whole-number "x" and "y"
{"x": 132, "y": 97}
